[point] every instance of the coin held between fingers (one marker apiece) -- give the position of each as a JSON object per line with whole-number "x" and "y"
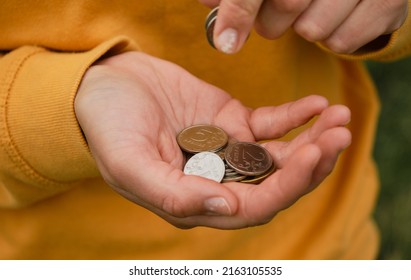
{"x": 209, "y": 25}
{"x": 227, "y": 40}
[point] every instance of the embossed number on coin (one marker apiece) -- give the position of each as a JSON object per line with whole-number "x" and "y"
{"x": 202, "y": 138}
{"x": 206, "y": 164}
{"x": 248, "y": 158}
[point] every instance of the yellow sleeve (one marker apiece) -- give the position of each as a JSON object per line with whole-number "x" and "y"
{"x": 43, "y": 151}
{"x": 395, "y": 46}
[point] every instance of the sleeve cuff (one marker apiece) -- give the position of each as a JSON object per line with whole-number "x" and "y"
{"x": 45, "y": 141}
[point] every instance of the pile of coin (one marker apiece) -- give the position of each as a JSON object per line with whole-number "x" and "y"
{"x": 213, "y": 155}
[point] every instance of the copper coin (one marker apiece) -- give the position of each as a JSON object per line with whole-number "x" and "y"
{"x": 260, "y": 178}
{"x": 202, "y": 138}
{"x": 249, "y": 159}
{"x": 220, "y": 153}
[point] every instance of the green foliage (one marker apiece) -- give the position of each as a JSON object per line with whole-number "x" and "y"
{"x": 393, "y": 155}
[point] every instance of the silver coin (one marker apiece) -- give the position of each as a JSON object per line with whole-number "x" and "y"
{"x": 233, "y": 178}
{"x": 209, "y": 25}
{"x": 206, "y": 164}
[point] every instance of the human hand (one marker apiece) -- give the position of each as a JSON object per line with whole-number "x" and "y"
{"x": 132, "y": 106}
{"x": 343, "y": 26}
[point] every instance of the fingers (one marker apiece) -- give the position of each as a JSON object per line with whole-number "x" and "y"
{"x": 210, "y": 3}
{"x": 292, "y": 180}
{"x": 276, "y": 16}
{"x": 320, "y": 19}
{"x": 339, "y": 25}
{"x": 305, "y": 169}
{"x": 332, "y": 142}
{"x": 335, "y": 116}
{"x": 328, "y": 134}
{"x": 376, "y": 17}
{"x": 274, "y": 122}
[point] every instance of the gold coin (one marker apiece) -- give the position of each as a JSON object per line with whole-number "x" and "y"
{"x": 202, "y": 138}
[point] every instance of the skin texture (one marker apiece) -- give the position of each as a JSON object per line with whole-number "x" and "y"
{"x": 343, "y": 26}
{"x": 132, "y": 106}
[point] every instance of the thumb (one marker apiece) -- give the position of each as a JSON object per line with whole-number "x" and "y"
{"x": 167, "y": 191}
{"x": 235, "y": 19}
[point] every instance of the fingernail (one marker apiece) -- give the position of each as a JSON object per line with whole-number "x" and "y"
{"x": 227, "y": 41}
{"x": 217, "y": 205}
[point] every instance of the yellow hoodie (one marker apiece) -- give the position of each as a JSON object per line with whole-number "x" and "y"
{"x": 54, "y": 204}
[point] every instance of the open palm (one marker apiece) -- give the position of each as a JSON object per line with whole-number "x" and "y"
{"x": 131, "y": 107}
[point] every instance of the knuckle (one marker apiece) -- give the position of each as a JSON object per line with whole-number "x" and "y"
{"x": 259, "y": 219}
{"x": 340, "y": 46}
{"x": 290, "y": 6}
{"x": 398, "y": 8}
{"x": 394, "y": 5}
{"x": 311, "y": 31}
{"x": 242, "y": 9}
{"x": 209, "y": 3}
{"x": 270, "y": 33}
{"x": 174, "y": 207}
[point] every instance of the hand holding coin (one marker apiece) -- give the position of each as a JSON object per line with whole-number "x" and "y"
{"x": 131, "y": 108}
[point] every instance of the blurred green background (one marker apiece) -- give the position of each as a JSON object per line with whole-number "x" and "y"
{"x": 393, "y": 155}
